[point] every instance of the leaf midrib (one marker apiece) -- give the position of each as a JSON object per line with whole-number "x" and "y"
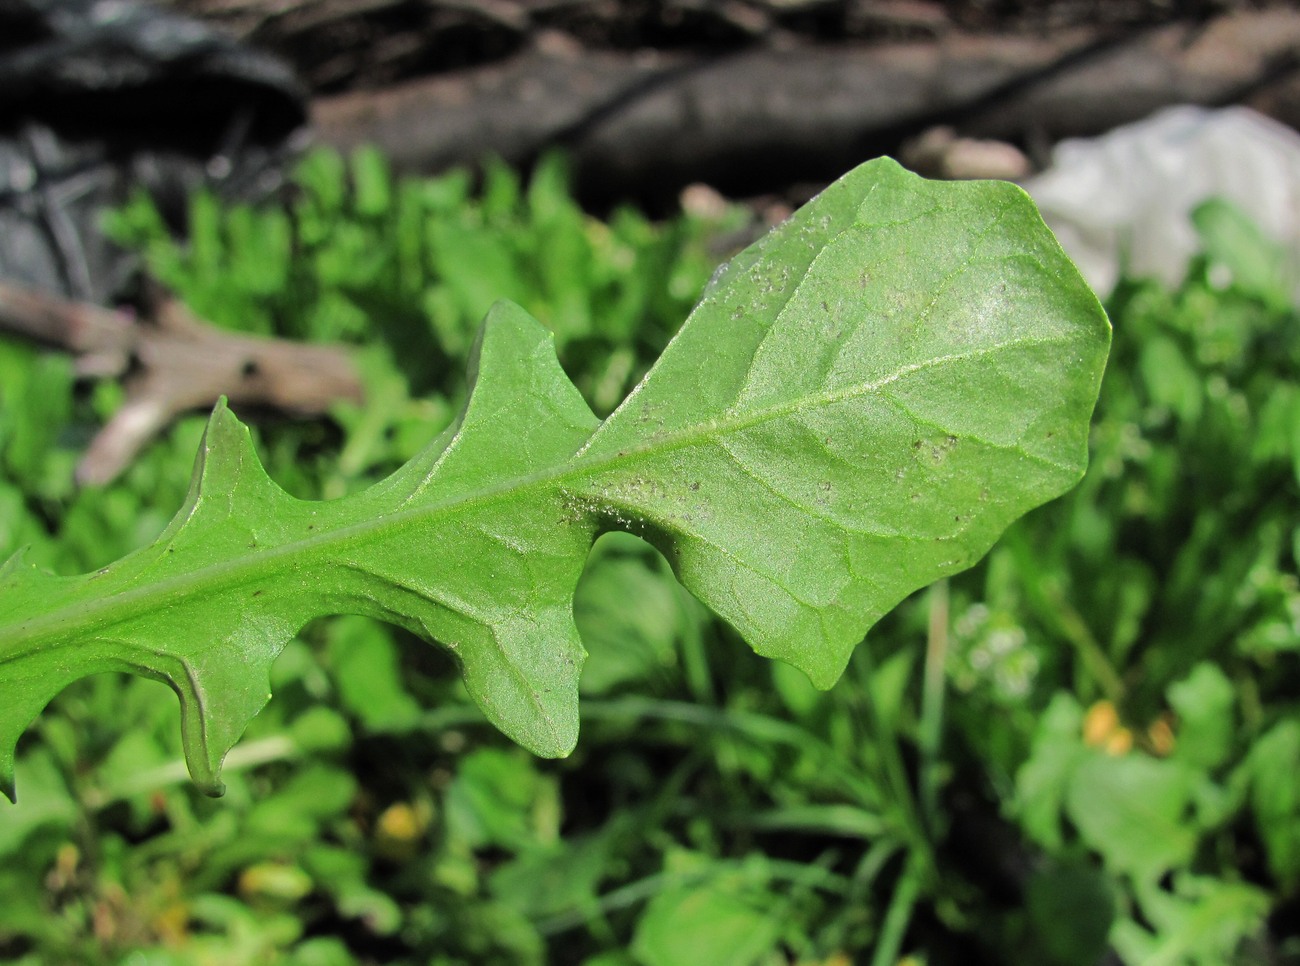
{"x": 225, "y": 575}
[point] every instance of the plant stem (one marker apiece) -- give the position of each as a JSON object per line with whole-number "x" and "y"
{"x": 899, "y": 913}
{"x": 903, "y": 805}
{"x": 1075, "y": 629}
{"x": 932, "y": 698}
{"x": 250, "y": 754}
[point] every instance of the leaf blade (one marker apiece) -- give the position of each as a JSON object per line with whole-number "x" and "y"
{"x": 876, "y": 416}
{"x": 811, "y": 351}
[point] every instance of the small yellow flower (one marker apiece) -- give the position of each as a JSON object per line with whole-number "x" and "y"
{"x": 1102, "y": 729}
{"x": 399, "y": 830}
{"x": 1161, "y": 736}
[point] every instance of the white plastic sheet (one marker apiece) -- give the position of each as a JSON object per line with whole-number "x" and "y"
{"x": 1122, "y": 202}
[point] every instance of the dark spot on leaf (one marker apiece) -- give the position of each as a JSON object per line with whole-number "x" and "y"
{"x": 248, "y": 369}
{"x": 695, "y": 486}
{"x": 257, "y": 593}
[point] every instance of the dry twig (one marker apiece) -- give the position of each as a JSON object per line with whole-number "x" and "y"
{"x": 172, "y": 362}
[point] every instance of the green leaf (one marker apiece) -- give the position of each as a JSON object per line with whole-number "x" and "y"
{"x": 860, "y": 404}
{"x": 1257, "y": 264}
{"x": 704, "y": 924}
{"x": 555, "y": 879}
{"x": 1170, "y": 379}
{"x": 365, "y": 665}
{"x": 1071, "y": 907}
{"x": 47, "y": 802}
{"x": 497, "y": 799}
{"x": 631, "y": 614}
{"x": 1132, "y": 810}
{"x": 372, "y": 182}
{"x": 1275, "y": 796}
{"x": 1042, "y": 780}
{"x": 1202, "y": 921}
{"x": 312, "y": 796}
{"x": 1204, "y": 703}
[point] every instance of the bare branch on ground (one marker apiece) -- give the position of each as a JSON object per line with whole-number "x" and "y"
{"x": 170, "y": 363}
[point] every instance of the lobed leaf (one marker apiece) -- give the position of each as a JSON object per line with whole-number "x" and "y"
{"x": 860, "y": 404}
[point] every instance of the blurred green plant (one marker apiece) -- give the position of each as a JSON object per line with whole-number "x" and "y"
{"x": 708, "y": 791}
{"x": 409, "y": 267}
{"x": 1137, "y": 644}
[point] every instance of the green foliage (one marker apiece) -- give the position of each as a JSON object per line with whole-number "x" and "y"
{"x": 886, "y": 418}
{"x": 101, "y": 769}
{"x": 416, "y": 265}
{"x": 359, "y": 827}
{"x": 1163, "y": 593}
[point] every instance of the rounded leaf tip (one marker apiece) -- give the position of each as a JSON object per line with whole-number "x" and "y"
{"x": 212, "y": 787}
